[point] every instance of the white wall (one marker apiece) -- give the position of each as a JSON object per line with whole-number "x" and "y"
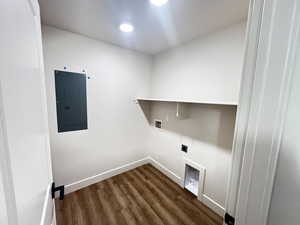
{"x": 285, "y": 202}
{"x": 208, "y": 132}
{"x": 117, "y": 128}
{"x": 206, "y": 69}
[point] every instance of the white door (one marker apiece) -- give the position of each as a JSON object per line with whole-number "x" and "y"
{"x": 285, "y": 204}
{"x": 26, "y": 176}
{"x": 3, "y": 212}
{"x": 269, "y": 123}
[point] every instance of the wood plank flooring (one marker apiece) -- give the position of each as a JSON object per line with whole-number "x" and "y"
{"x": 143, "y": 196}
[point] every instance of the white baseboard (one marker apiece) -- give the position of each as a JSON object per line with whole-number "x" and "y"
{"x": 166, "y": 171}
{"x": 213, "y": 205}
{"x": 105, "y": 175}
{"x": 113, "y": 172}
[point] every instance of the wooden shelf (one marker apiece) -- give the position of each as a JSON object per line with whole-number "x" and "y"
{"x": 186, "y": 101}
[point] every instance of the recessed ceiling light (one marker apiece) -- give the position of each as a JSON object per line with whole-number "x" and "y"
{"x": 159, "y": 2}
{"x": 126, "y": 27}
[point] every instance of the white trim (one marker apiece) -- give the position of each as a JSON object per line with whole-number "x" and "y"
{"x": 293, "y": 40}
{"x": 250, "y": 58}
{"x": 213, "y": 205}
{"x": 202, "y": 175}
{"x": 273, "y": 72}
{"x": 113, "y": 172}
{"x": 105, "y": 175}
{"x": 48, "y": 210}
{"x": 166, "y": 171}
{"x": 202, "y": 197}
{"x": 54, "y": 215}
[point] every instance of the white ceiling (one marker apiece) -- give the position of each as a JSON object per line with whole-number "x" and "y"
{"x": 156, "y": 28}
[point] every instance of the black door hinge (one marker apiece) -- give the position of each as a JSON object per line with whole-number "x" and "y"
{"x": 61, "y": 190}
{"x": 229, "y": 219}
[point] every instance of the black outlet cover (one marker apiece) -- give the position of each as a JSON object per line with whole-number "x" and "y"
{"x": 158, "y": 124}
{"x": 184, "y": 148}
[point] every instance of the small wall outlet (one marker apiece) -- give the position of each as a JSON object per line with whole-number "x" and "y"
{"x": 184, "y": 148}
{"x": 158, "y": 124}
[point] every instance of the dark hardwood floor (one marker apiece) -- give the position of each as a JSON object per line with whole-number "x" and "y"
{"x": 141, "y": 196}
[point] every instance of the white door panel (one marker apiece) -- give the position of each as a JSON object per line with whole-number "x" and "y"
{"x": 270, "y": 85}
{"x": 285, "y": 204}
{"x": 8, "y": 206}
{"x": 24, "y": 106}
{"x": 3, "y": 212}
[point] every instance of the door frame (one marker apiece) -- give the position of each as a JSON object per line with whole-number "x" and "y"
{"x": 48, "y": 213}
{"x": 268, "y": 70}
{"x": 243, "y": 108}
